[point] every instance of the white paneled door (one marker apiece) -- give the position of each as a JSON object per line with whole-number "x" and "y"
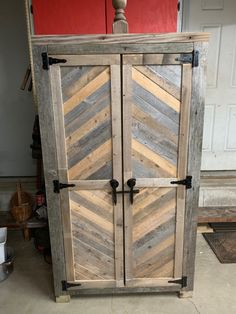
{"x": 217, "y": 17}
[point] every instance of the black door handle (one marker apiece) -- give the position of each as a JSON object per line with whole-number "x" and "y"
{"x": 114, "y": 185}
{"x": 131, "y": 184}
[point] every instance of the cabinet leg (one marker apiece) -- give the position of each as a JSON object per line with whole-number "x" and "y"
{"x": 27, "y": 235}
{"x": 185, "y": 294}
{"x": 63, "y": 299}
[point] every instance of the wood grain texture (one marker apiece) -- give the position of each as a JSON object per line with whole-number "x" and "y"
{"x": 124, "y": 38}
{"x": 216, "y": 214}
{"x": 46, "y": 117}
{"x": 194, "y": 162}
{"x": 88, "y": 124}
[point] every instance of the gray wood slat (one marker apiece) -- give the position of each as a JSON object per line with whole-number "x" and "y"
{"x": 70, "y": 75}
{"x": 94, "y": 228}
{"x": 158, "y": 143}
{"x": 154, "y": 237}
{"x": 155, "y": 206}
{"x": 95, "y": 208}
{"x": 171, "y": 73}
{"x": 140, "y": 93}
{"x": 104, "y": 172}
{"x": 147, "y": 269}
{"x": 91, "y": 141}
{"x": 87, "y": 109}
{"x": 93, "y": 260}
{"x": 160, "y": 118}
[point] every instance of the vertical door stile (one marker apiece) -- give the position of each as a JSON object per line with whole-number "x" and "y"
{"x": 62, "y": 169}
{"x": 117, "y": 170}
{"x": 127, "y": 165}
{"x": 155, "y": 128}
{"x": 182, "y": 165}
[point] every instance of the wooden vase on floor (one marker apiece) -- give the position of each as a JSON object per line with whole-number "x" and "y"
{"x": 21, "y": 205}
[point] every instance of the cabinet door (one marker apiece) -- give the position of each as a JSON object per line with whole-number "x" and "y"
{"x": 87, "y": 108}
{"x": 155, "y": 126}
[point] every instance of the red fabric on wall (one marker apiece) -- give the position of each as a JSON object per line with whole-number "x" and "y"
{"x": 147, "y": 16}
{"x": 96, "y": 16}
{"x": 53, "y": 17}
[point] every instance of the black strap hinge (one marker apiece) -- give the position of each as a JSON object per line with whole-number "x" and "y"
{"x": 192, "y": 58}
{"x": 58, "y": 186}
{"x": 187, "y": 182}
{"x": 182, "y": 281}
{"x": 47, "y": 61}
{"x": 66, "y": 285}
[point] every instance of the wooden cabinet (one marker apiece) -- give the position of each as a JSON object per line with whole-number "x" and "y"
{"x": 121, "y": 123}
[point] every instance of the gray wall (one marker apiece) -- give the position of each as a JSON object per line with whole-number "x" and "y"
{"x": 16, "y": 106}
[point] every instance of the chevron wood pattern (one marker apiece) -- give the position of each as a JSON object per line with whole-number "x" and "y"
{"x": 93, "y": 235}
{"x": 155, "y": 120}
{"x": 86, "y": 92}
{"x": 153, "y": 235}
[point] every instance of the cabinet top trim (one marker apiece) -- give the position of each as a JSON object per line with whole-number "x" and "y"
{"x": 121, "y": 39}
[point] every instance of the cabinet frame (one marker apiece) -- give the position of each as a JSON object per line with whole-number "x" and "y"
{"x": 168, "y": 43}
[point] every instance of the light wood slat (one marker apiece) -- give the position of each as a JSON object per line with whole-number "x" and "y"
{"x": 194, "y": 162}
{"x": 75, "y": 78}
{"x": 151, "y": 268}
{"x": 156, "y": 90}
{"x": 95, "y": 198}
{"x": 87, "y": 126}
{"x": 117, "y": 170}
{"x": 155, "y": 182}
{"x": 152, "y": 282}
{"x": 49, "y": 150}
{"x": 77, "y": 60}
{"x": 151, "y": 253}
{"x": 163, "y": 163}
{"x": 86, "y": 213}
{"x": 158, "y": 218}
{"x": 182, "y": 166}
{"x": 172, "y": 38}
{"x": 90, "y": 185}
{"x": 86, "y": 274}
{"x": 62, "y": 172}
{"x": 127, "y": 166}
{"x": 102, "y": 152}
{"x": 157, "y": 59}
{"x": 165, "y": 270}
{"x": 77, "y": 98}
{"x": 152, "y": 196}
{"x": 159, "y": 128}
{"x": 167, "y": 85}
{"x": 93, "y": 260}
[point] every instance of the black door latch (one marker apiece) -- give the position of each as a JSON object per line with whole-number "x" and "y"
{"x": 59, "y": 186}
{"x": 47, "y": 61}
{"x": 187, "y": 182}
{"x": 131, "y": 184}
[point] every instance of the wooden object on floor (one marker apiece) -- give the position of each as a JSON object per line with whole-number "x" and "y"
{"x": 217, "y": 214}
{"x": 204, "y": 228}
{"x": 21, "y": 205}
{"x": 6, "y": 220}
{"x": 141, "y": 120}
{"x": 223, "y": 244}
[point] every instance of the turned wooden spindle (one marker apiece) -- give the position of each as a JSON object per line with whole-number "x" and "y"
{"x": 120, "y": 24}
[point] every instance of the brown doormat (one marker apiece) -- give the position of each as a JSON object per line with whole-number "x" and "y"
{"x": 223, "y": 244}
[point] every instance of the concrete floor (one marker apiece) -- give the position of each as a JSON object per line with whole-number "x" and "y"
{"x": 29, "y": 289}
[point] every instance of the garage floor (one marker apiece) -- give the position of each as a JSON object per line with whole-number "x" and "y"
{"x": 29, "y": 289}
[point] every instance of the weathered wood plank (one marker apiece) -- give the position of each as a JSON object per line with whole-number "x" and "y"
{"x": 194, "y": 162}
{"x": 172, "y": 38}
{"x": 49, "y": 148}
{"x": 216, "y": 214}
{"x": 182, "y": 166}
